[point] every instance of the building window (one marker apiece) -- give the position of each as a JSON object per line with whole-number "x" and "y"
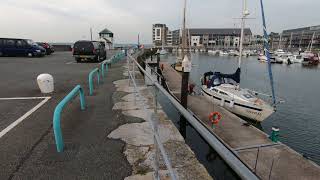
{"x": 158, "y": 32}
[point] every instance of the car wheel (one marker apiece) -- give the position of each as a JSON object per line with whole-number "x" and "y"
{"x": 30, "y": 54}
{"x": 78, "y": 60}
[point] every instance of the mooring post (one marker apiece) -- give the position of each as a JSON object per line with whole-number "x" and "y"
{"x": 275, "y": 134}
{"x": 186, "y": 67}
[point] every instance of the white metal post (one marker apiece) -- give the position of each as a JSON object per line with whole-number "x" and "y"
{"x": 128, "y": 64}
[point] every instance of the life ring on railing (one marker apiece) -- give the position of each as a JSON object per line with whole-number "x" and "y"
{"x": 215, "y": 117}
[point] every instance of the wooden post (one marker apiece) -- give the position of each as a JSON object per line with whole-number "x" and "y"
{"x": 184, "y": 102}
{"x": 186, "y": 68}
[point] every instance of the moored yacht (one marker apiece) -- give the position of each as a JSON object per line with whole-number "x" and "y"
{"x": 233, "y": 53}
{"x": 223, "y": 53}
{"x": 310, "y": 59}
{"x": 214, "y": 52}
{"x": 297, "y": 58}
{"x": 223, "y": 90}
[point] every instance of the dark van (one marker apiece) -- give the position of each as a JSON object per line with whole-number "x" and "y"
{"x": 20, "y": 47}
{"x": 89, "y": 50}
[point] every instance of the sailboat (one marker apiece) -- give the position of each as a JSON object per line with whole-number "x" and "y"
{"x": 178, "y": 65}
{"x": 163, "y": 51}
{"x": 224, "y": 89}
{"x": 310, "y": 58}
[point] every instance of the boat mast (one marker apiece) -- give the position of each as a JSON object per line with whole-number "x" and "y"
{"x": 301, "y": 40}
{"x": 279, "y": 45}
{"x": 162, "y": 39}
{"x": 244, "y": 14}
{"x": 290, "y": 40}
{"x": 184, "y": 29}
{"x": 266, "y": 46}
{"x": 314, "y": 33}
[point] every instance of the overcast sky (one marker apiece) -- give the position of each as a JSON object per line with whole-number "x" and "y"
{"x": 70, "y": 20}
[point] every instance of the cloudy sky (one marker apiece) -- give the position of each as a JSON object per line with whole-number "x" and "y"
{"x": 70, "y": 20}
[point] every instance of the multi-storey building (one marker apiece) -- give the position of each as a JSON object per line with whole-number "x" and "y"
{"x": 159, "y": 34}
{"x": 168, "y": 39}
{"x": 296, "y": 38}
{"x": 227, "y": 37}
{"x": 204, "y": 37}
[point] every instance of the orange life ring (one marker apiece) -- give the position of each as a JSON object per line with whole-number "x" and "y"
{"x": 215, "y": 117}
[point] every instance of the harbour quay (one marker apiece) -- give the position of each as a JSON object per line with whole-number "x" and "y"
{"x": 266, "y": 158}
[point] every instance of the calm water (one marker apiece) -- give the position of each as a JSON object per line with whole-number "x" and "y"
{"x": 298, "y": 118}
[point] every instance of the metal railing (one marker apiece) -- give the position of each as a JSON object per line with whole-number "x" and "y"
{"x": 225, "y": 153}
{"x": 90, "y": 79}
{"x": 104, "y": 67}
{"x": 57, "y": 115}
{"x": 153, "y": 120}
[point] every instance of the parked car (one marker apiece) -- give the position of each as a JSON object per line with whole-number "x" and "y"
{"x": 49, "y": 48}
{"x": 89, "y": 50}
{"x": 20, "y": 47}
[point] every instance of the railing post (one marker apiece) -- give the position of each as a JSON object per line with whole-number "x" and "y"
{"x": 57, "y": 115}
{"x": 133, "y": 71}
{"x": 155, "y": 124}
{"x": 104, "y": 68}
{"x": 128, "y": 64}
{"x": 95, "y": 71}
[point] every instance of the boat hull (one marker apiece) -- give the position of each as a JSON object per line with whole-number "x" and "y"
{"x": 239, "y": 108}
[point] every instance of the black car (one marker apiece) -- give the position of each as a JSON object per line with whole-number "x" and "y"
{"x": 89, "y": 50}
{"x": 49, "y": 48}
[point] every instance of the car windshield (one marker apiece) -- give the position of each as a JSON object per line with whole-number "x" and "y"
{"x": 30, "y": 42}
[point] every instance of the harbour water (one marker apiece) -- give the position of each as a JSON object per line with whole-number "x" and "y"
{"x": 298, "y": 117}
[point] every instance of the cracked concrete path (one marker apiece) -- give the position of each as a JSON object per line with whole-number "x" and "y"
{"x": 138, "y": 137}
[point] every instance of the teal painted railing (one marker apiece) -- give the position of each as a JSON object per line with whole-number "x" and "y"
{"x": 104, "y": 67}
{"x": 57, "y": 114}
{"x": 118, "y": 57}
{"x": 96, "y": 72}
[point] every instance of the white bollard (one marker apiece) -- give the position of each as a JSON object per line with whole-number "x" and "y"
{"x": 45, "y": 83}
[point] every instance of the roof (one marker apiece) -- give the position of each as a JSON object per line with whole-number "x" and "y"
{"x": 305, "y": 29}
{"x": 106, "y": 31}
{"x": 220, "y": 31}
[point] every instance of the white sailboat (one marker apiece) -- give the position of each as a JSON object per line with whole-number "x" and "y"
{"x": 178, "y": 65}
{"x": 224, "y": 89}
{"x": 163, "y": 51}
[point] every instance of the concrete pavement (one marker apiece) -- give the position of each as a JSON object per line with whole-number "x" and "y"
{"x": 28, "y": 150}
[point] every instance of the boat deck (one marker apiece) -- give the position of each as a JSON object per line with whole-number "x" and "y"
{"x": 275, "y": 160}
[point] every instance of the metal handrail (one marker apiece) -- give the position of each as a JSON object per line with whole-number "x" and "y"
{"x": 226, "y": 154}
{"x": 93, "y": 72}
{"x": 104, "y": 67}
{"x": 57, "y": 115}
{"x": 153, "y": 127}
